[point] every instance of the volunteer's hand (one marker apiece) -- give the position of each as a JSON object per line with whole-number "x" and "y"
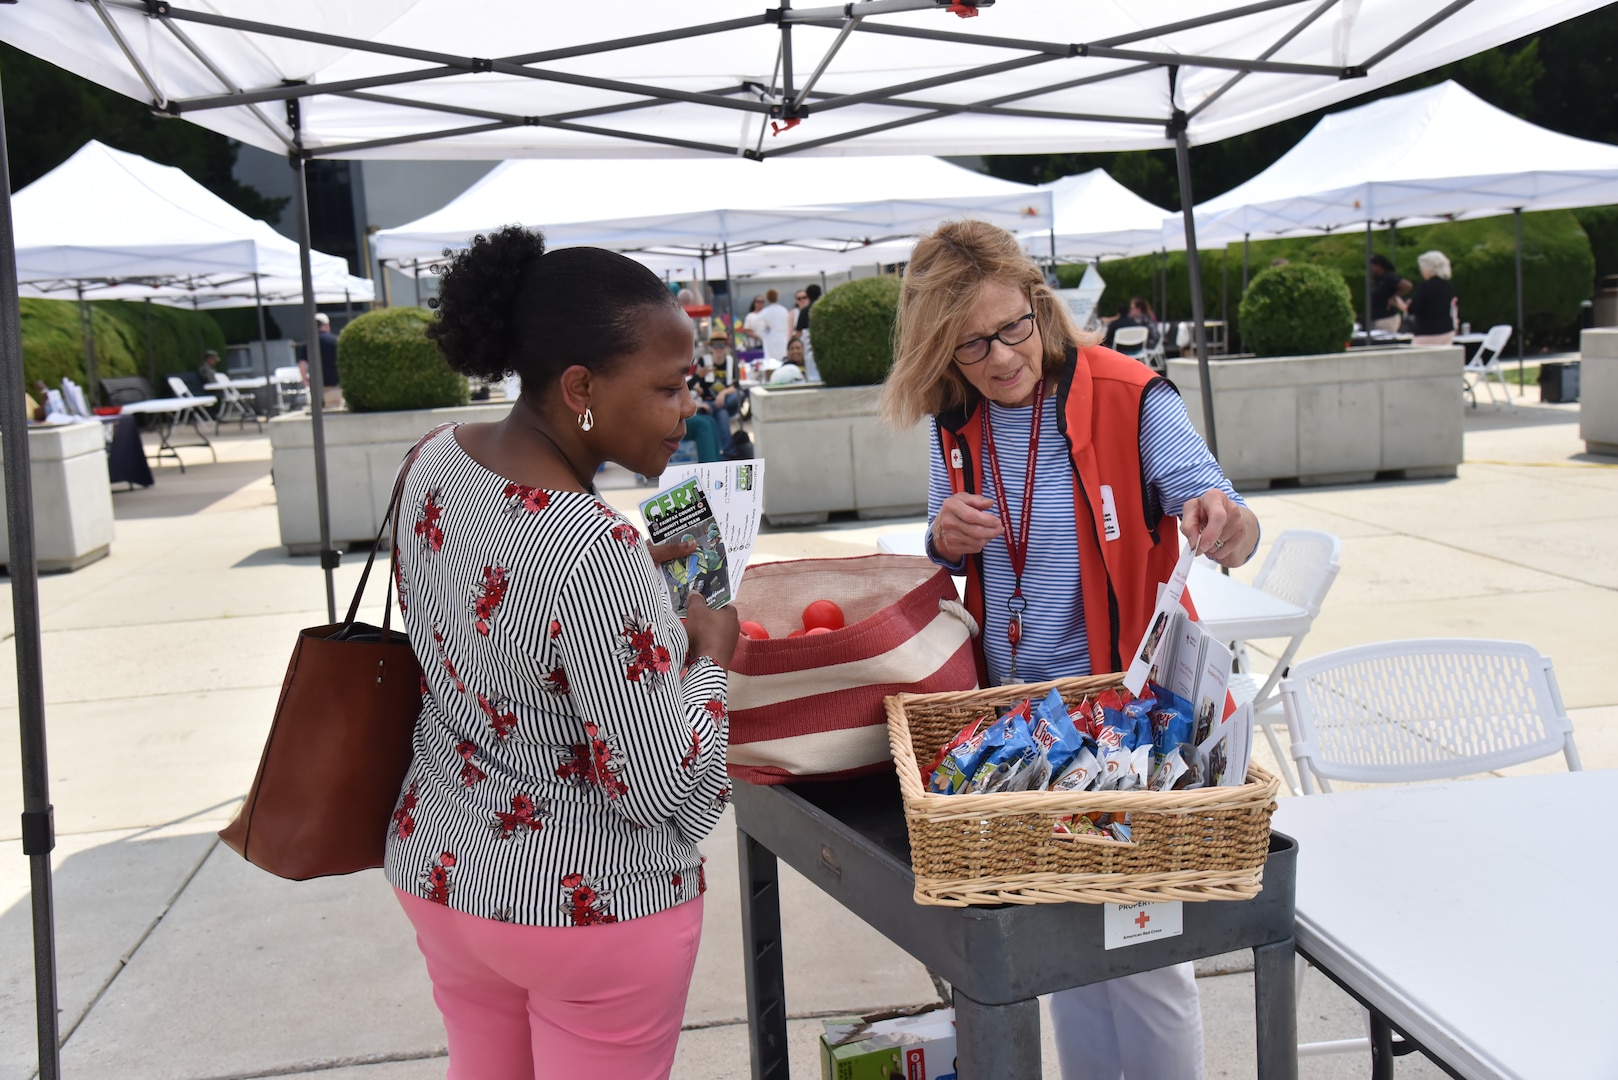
{"x": 712, "y": 632}
{"x": 1229, "y": 532}
{"x": 965, "y": 525}
{"x": 679, "y": 549}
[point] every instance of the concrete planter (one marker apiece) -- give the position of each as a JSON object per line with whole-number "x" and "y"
{"x": 829, "y": 452}
{"x": 1598, "y": 390}
{"x": 363, "y": 452}
{"x": 1340, "y": 418}
{"x": 72, "y": 497}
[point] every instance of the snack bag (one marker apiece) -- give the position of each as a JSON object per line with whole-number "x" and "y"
{"x": 961, "y": 738}
{"x": 1080, "y": 825}
{"x": 1171, "y": 725}
{"x": 1168, "y": 770}
{"x": 1083, "y": 717}
{"x": 1055, "y": 732}
{"x": 1012, "y": 753}
{"x": 1081, "y": 773}
{"x": 953, "y": 773}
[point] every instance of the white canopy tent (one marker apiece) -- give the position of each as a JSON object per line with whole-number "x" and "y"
{"x": 1433, "y": 154}
{"x": 1097, "y": 217}
{"x": 422, "y": 78}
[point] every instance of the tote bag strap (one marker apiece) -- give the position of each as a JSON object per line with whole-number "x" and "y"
{"x": 392, "y": 514}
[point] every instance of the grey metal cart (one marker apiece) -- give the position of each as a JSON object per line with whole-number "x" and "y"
{"x": 849, "y": 839}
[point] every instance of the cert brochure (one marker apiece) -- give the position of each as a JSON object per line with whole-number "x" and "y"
{"x": 680, "y": 513}
{"x": 735, "y": 491}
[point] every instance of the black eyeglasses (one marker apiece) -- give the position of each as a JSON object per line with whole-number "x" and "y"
{"x": 1013, "y": 333}
{"x": 801, "y": 296}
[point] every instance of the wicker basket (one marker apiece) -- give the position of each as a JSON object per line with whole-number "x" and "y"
{"x": 1000, "y": 848}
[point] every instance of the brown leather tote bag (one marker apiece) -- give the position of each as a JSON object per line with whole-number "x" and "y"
{"x": 340, "y": 743}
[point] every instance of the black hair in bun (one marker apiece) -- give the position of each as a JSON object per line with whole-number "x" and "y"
{"x": 505, "y": 304}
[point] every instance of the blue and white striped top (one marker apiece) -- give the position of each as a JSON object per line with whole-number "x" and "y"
{"x": 1054, "y": 644}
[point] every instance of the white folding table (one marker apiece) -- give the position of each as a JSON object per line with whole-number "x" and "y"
{"x": 172, "y": 409}
{"x": 1472, "y": 917}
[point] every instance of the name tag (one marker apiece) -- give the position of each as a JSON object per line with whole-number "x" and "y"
{"x": 1131, "y": 924}
{"x": 1109, "y": 514}
{"x": 955, "y": 459}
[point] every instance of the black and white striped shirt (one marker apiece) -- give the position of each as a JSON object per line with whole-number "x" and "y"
{"x": 565, "y": 765}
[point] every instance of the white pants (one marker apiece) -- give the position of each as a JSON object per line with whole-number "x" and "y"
{"x": 1140, "y": 1027}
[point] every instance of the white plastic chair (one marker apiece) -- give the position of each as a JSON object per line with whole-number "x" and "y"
{"x": 1131, "y": 340}
{"x": 73, "y": 397}
{"x": 196, "y": 413}
{"x": 233, "y": 405}
{"x": 290, "y": 392}
{"x": 1426, "y": 709}
{"x": 1485, "y": 364}
{"x": 1300, "y": 569}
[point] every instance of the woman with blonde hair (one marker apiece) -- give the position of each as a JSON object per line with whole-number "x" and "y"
{"x": 1432, "y": 306}
{"x": 1058, "y": 470}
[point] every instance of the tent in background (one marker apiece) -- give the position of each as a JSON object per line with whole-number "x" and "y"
{"x": 1097, "y": 217}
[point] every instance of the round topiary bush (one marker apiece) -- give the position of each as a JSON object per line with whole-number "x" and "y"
{"x": 1296, "y": 310}
{"x": 851, "y": 329}
{"x": 386, "y": 362}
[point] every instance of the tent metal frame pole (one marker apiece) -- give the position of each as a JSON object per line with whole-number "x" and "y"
{"x": 329, "y": 559}
{"x": 87, "y": 331}
{"x": 415, "y": 270}
{"x": 1199, "y": 328}
{"x": 730, "y": 303}
{"x": 1368, "y": 254}
{"x": 38, "y": 817}
{"x": 263, "y": 331}
{"x": 151, "y": 345}
{"x": 1522, "y": 331}
{"x": 1224, "y": 292}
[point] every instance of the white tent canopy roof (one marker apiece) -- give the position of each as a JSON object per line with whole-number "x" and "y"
{"x": 1437, "y": 152}
{"x": 876, "y": 77}
{"x": 104, "y": 217}
{"x": 1096, "y": 216}
{"x": 705, "y": 202}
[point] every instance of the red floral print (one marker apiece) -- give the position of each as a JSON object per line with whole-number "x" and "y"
{"x": 715, "y": 709}
{"x": 438, "y": 883}
{"x": 702, "y": 875}
{"x": 596, "y": 763}
{"x": 585, "y": 902}
{"x": 556, "y": 682}
{"x": 626, "y": 534}
{"x": 500, "y": 718}
{"x": 470, "y": 773}
{"x": 531, "y": 499}
{"x": 555, "y": 629}
{"x": 427, "y": 527}
{"x": 722, "y": 799}
{"x": 403, "y": 822}
{"x": 525, "y": 815}
{"x": 399, "y": 581}
{"x": 489, "y": 596}
{"x": 678, "y": 883}
{"x": 692, "y": 754}
{"x": 443, "y": 656}
{"x": 646, "y": 657}
{"x": 424, "y": 690}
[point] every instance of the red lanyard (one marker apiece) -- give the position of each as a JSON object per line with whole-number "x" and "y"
{"x": 1016, "y": 538}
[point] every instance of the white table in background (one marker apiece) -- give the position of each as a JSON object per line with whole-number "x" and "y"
{"x": 1233, "y": 611}
{"x": 1475, "y": 916}
{"x": 171, "y": 409}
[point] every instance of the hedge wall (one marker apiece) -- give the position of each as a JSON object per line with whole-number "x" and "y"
{"x": 1558, "y": 269}
{"x": 53, "y": 343}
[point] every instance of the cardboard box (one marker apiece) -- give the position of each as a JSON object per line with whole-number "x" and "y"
{"x": 917, "y": 1046}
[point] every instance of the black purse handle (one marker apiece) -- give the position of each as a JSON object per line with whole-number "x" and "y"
{"x": 392, "y": 514}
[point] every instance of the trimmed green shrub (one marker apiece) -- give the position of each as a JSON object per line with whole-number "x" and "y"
{"x": 852, "y": 330}
{"x": 1297, "y": 310}
{"x": 1600, "y": 224}
{"x": 53, "y": 343}
{"x": 387, "y": 362}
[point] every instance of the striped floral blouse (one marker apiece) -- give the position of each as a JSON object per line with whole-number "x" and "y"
{"x": 566, "y": 763}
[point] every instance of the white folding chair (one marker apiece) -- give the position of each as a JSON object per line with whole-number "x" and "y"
{"x": 1300, "y": 569}
{"x": 290, "y": 393}
{"x": 1131, "y": 340}
{"x": 1485, "y": 364}
{"x": 233, "y": 405}
{"x": 1427, "y": 709}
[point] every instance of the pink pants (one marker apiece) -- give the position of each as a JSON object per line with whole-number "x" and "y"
{"x": 533, "y": 1002}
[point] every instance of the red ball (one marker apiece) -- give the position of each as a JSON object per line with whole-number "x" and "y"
{"x": 796, "y": 633}
{"x": 823, "y": 613}
{"x": 813, "y": 630}
{"x": 753, "y": 630}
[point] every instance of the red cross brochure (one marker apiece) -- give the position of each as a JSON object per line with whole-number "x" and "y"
{"x": 1144, "y": 658}
{"x": 682, "y": 513}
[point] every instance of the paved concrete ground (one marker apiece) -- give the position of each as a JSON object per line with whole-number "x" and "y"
{"x": 162, "y": 663}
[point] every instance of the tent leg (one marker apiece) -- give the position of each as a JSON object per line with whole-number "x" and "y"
{"x": 91, "y": 362}
{"x": 1199, "y": 328}
{"x": 329, "y": 559}
{"x": 1224, "y": 293}
{"x": 1368, "y": 254}
{"x": 151, "y": 346}
{"x": 1245, "y": 253}
{"x": 1522, "y": 331}
{"x": 38, "y": 824}
{"x": 263, "y": 333}
{"x": 730, "y": 311}
{"x": 417, "y": 272}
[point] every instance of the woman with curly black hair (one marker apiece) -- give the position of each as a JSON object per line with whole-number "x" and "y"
{"x": 570, "y": 751}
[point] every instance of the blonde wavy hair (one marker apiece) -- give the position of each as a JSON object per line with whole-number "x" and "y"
{"x": 947, "y": 271}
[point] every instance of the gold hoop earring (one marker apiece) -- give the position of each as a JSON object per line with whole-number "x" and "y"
{"x": 586, "y": 420}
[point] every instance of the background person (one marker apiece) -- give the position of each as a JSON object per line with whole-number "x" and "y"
{"x": 1386, "y": 287}
{"x": 570, "y": 751}
{"x": 774, "y": 326}
{"x": 332, "y": 396}
{"x": 1432, "y": 304}
{"x": 208, "y": 370}
{"x": 988, "y": 351}
{"x": 752, "y": 325}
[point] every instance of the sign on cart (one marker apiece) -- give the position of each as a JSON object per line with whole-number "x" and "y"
{"x": 1131, "y": 924}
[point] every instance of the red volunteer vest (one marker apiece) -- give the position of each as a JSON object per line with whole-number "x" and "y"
{"x": 1099, "y": 397}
